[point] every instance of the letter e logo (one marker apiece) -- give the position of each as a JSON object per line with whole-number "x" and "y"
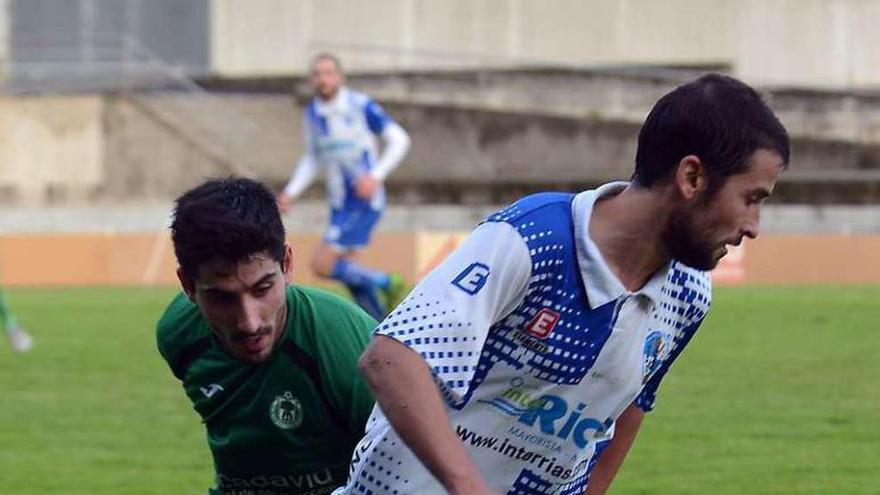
{"x": 472, "y": 278}
{"x": 543, "y": 323}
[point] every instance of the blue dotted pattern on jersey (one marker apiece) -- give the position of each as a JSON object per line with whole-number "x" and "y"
{"x": 685, "y": 303}
{"x": 377, "y": 474}
{"x": 570, "y": 350}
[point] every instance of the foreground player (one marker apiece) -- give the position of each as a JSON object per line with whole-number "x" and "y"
{"x": 341, "y": 128}
{"x": 270, "y": 368}
{"x": 19, "y": 339}
{"x": 527, "y": 360}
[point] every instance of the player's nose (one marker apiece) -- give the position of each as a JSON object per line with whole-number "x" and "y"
{"x": 248, "y": 318}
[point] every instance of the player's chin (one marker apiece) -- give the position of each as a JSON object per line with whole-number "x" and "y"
{"x": 255, "y": 357}
{"x": 256, "y": 352}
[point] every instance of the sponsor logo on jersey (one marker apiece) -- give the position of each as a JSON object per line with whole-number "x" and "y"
{"x": 211, "y": 389}
{"x": 472, "y": 279}
{"x": 531, "y": 343}
{"x": 657, "y": 346}
{"x": 543, "y": 323}
{"x": 318, "y": 482}
{"x": 286, "y": 411}
{"x": 552, "y": 415}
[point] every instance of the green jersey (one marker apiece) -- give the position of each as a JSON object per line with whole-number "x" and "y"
{"x": 287, "y": 426}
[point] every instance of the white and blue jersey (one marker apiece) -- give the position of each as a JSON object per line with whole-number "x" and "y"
{"x": 537, "y": 349}
{"x": 341, "y": 138}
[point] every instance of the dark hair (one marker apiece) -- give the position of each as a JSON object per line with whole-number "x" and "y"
{"x": 230, "y": 219}
{"x": 719, "y": 119}
{"x": 326, "y": 56}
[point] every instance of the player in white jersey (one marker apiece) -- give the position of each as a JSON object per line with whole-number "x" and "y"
{"x": 341, "y": 127}
{"x": 524, "y": 364}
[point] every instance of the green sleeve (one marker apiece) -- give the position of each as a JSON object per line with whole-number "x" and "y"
{"x": 180, "y": 334}
{"x": 172, "y": 328}
{"x": 340, "y": 341}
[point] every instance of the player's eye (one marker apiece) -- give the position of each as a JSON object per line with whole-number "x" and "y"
{"x": 753, "y": 199}
{"x": 262, "y": 289}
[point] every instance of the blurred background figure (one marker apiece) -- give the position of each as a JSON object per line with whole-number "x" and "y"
{"x": 20, "y": 340}
{"x": 341, "y": 127}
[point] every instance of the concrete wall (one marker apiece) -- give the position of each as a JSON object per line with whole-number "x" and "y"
{"x": 801, "y": 43}
{"x": 613, "y": 94}
{"x": 51, "y": 148}
{"x": 277, "y": 36}
{"x": 809, "y": 43}
{"x": 155, "y": 146}
{"x": 159, "y": 145}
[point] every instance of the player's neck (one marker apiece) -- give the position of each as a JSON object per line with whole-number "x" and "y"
{"x": 627, "y": 229}
{"x": 331, "y": 97}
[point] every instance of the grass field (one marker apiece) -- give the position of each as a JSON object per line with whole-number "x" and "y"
{"x": 778, "y": 394}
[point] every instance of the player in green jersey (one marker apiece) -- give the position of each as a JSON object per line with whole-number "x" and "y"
{"x": 271, "y": 368}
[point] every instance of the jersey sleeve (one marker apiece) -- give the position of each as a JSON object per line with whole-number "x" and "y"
{"x": 648, "y": 396}
{"x": 448, "y": 316}
{"x": 179, "y": 338}
{"x": 340, "y": 342}
{"x": 377, "y": 118}
{"x": 397, "y": 143}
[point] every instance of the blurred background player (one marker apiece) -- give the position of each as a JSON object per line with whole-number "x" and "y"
{"x": 271, "y": 368}
{"x": 341, "y": 126}
{"x": 544, "y": 338}
{"x": 20, "y": 340}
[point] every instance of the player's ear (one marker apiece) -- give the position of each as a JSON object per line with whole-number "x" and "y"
{"x": 188, "y": 284}
{"x": 691, "y": 178}
{"x": 287, "y": 263}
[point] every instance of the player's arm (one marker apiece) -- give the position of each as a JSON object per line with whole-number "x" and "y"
{"x": 302, "y": 176}
{"x": 301, "y": 179}
{"x": 395, "y": 139}
{"x": 457, "y": 303}
{"x": 625, "y": 431}
{"x": 409, "y": 398}
{"x": 396, "y": 144}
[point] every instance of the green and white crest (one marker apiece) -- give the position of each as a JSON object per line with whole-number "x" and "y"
{"x": 286, "y": 411}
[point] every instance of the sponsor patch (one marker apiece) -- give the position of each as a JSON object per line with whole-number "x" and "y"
{"x": 543, "y": 323}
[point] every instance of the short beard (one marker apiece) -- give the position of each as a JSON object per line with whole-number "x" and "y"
{"x": 683, "y": 239}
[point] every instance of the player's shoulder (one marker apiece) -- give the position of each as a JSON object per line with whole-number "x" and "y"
{"x": 180, "y": 325}
{"x": 316, "y": 307}
{"x": 540, "y": 207}
{"x": 542, "y": 218}
{"x": 319, "y": 298}
{"x": 358, "y": 99}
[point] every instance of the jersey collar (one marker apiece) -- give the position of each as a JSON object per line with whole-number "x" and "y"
{"x": 600, "y": 283}
{"x": 336, "y": 105}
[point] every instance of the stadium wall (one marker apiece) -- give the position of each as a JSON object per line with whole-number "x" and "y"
{"x": 148, "y": 259}
{"x": 277, "y": 36}
{"x": 148, "y": 147}
{"x": 805, "y": 43}
{"x": 51, "y": 148}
